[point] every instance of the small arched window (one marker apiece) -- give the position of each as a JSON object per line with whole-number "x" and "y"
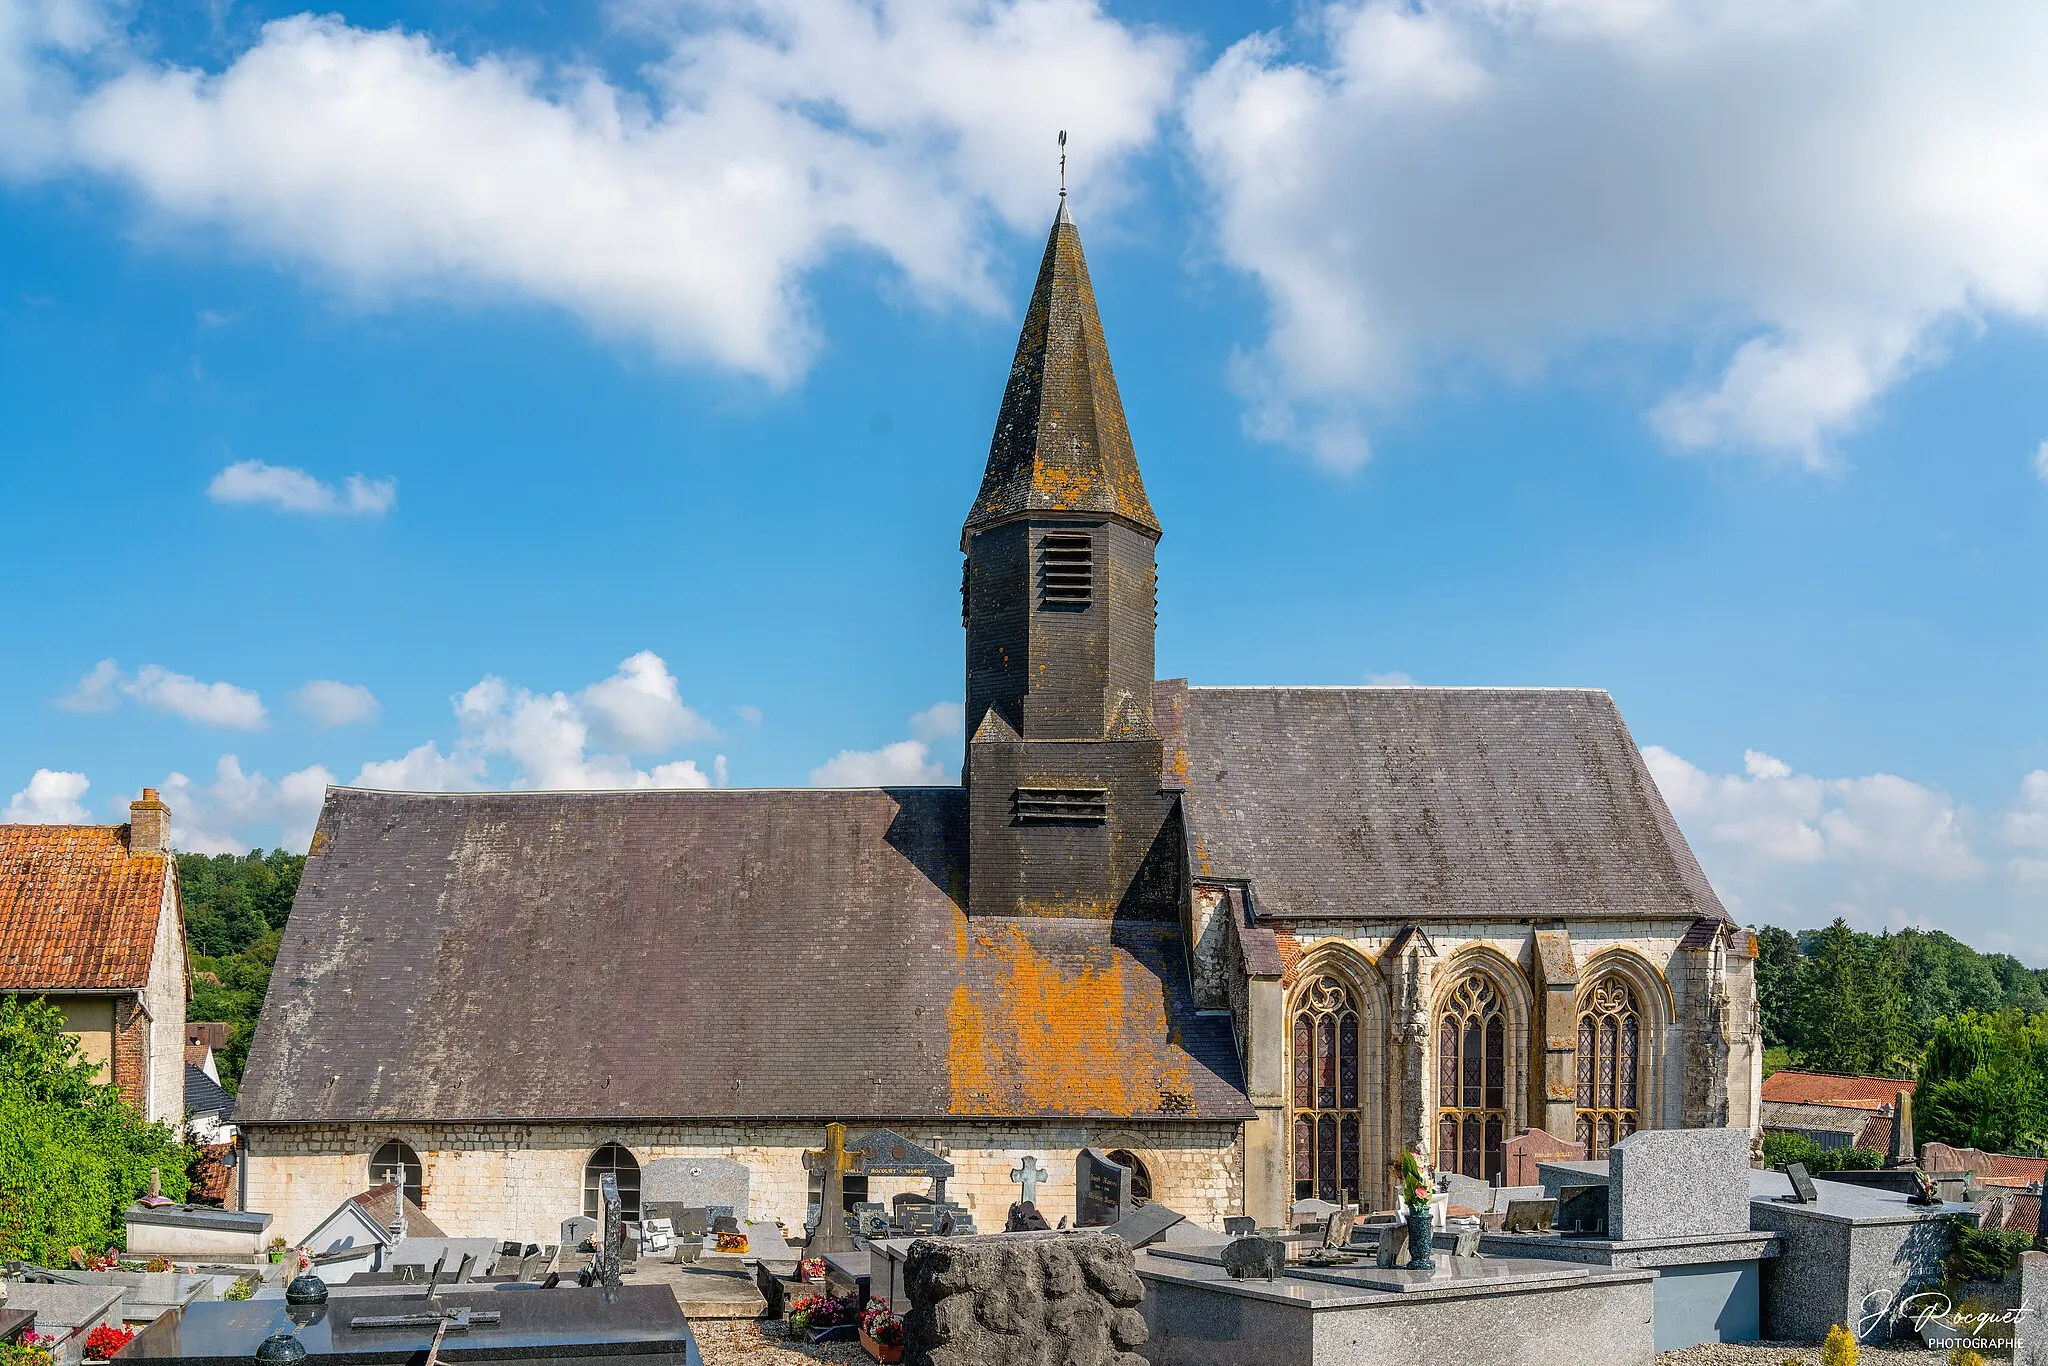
{"x": 1610, "y": 1059}
{"x": 397, "y": 1161}
{"x": 1472, "y": 1080}
{"x": 1141, "y": 1178}
{"x": 618, "y": 1162}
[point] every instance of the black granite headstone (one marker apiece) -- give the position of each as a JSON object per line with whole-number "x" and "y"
{"x": 1247, "y": 1257}
{"x": 1803, "y": 1191}
{"x": 1102, "y": 1190}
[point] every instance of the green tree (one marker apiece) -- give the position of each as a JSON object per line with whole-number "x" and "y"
{"x": 1778, "y": 961}
{"x": 235, "y": 906}
{"x": 73, "y": 1154}
{"x": 1853, "y": 1013}
{"x": 1945, "y": 977}
{"x": 1984, "y": 1082}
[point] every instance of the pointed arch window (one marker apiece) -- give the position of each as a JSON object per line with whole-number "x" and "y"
{"x": 1472, "y": 1080}
{"x": 1328, "y": 1114}
{"x": 1610, "y": 1065}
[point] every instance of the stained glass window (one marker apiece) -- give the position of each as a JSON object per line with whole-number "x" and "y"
{"x": 1328, "y": 1072}
{"x": 1473, "y": 1081}
{"x": 1610, "y": 1046}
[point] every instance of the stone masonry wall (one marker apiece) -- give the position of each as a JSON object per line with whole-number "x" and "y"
{"x": 164, "y": 999}
{"x": 515, "y": 1180}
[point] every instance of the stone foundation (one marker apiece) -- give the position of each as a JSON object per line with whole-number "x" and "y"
{"x": 521, "y": 1180}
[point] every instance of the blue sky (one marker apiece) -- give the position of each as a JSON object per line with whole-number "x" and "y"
{"x": 475, "y": 394}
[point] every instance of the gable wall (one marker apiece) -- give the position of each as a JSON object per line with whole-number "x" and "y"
{"x": 164, "y": 1001}
{"x": 516, "y": 1180}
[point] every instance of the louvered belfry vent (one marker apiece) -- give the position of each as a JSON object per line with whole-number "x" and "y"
{"x": 1060, "y": 805}
{"x": 1066, "y": 569}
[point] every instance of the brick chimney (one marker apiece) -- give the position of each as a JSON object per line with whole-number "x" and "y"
{"x": 149, "y": 824}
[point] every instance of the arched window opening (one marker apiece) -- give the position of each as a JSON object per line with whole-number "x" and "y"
{"x": 1610, "y": 1053}
{"x": 620, "y": 1163}
{"x": 1328, "y": 1116}
{"x": 1472, "y": 1081}
{"x": 397, "y": 1161}
{"x": 1141, "y": 1178}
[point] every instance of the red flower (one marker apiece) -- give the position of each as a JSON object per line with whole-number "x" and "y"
{"x": 105, "y": 1340}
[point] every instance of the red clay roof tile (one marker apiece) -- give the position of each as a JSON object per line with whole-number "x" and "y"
{"x": 77, "y": 910}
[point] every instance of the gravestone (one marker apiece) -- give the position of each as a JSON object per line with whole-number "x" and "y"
{"x": 1582, "y": 1209}
{"x": 579, "y": 1230}
{"x": 604, "y": 1269}
{"x": 1678, "y": 1183}
{"x": 1901, "y": 1152}
{"x": 1531, "y": 1216}
{"x": 1025, "y": 1218}
{"x": 832, "y": 1163}
{"x": 1393, "y": 1244}
{"x": 1248, "y": 1257}
{"x": 1337, "y": 1228}
{"x": 696, "y": 1181}
{"x": 871, "y": 1218}
{"x": 1467, "y": 1244}
{"x": 1239, "y": 1225}
{"x": 1027, "y": 1175}
{"x": 1803, "y": 1192}
{"x": 1102, "y": 1190}
{"x": 1146, "y": 1224}
{"x": 884, "y": 1152}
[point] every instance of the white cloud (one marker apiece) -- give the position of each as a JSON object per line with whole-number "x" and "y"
{"x": 1793, "y": 849}
{"x": 2041, "y": 462}
{"x": 683, "y": 208}
{"x": 52, "y": 797}
{"x": 210, "y": 704}
{"x": 750, "y": 714}
{"x": 1396, "y": 679}
{"x": 1808, "y": 195}
{"x": 639, "y": 709}
{"x": 425, "y": 769}
{"x": 227, "y": 815}
{"x": 293, "y": 490}
{"x": 332, "y": 704}
{"x": 95, "y": 691}
{"x": 553, "y": 741}
{"x": 904, "y": 763}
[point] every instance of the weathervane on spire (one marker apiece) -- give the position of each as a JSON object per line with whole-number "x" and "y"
{"x": 1063, "y": 163}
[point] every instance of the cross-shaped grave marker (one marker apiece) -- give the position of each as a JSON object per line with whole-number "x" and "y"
{"x": 832, "y": 1162}
{"x": 1028, "y": 1174}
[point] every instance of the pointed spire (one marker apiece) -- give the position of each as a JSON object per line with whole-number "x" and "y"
{"x": 1061, "y": 444}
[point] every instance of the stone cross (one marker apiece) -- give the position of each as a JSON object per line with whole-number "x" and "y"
{"x": 1029, "y": 1174}
{"x": 832, "y": 1162}
{"x": 396, "y": 1176}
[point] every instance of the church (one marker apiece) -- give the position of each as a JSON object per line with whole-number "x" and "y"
{"x": 1253, "y": 942}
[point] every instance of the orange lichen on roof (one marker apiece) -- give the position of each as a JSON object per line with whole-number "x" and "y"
{"x": 1061, "y": 1032}
{"x": 77, "y": 910}
{"x": 1827, "y": 1088}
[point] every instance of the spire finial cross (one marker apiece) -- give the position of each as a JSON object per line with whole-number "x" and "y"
{"x": 1063, "y": 163}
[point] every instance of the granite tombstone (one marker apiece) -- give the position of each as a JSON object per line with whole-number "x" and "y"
{"x": 1102, "y": 1190}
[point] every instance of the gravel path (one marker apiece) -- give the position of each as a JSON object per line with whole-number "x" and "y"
{"x": 741, "y": 1342}
{"x": 1807, "y": 1353}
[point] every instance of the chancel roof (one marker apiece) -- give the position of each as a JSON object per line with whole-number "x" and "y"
{"x": 751, "y": 954}
{"x": 1061, "y": 443}
{"x": 1425, "y": 803}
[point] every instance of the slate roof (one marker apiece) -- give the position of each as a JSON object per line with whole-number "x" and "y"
{"x": 1828, "y": 1088}
{"x": 1061, "y": 443}
{"x": 1426, "y": 803}
{"x": 204, "y": 1096}
{"x": 78, "y": 912}
{"x": 381, "y": 1204}
{"x": 668, "y": 954}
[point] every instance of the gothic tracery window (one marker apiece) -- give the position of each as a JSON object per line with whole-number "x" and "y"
{"x": 1326, "y": 1105}
{"x": 1472, "y": 1080}
{"x": 1610, "y": 1047}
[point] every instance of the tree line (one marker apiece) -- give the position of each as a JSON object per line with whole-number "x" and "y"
{"x": 1971, "y": 1027}
{"x": 236, "y": 906}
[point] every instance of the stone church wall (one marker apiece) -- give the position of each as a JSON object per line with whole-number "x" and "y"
{"x": 512, "y": 1180}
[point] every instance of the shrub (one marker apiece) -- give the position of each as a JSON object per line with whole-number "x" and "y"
{"x": 1963, "y": 1356}
{"x": 1781, "y": 1149}
{"x": 1982, "y": 1254}
{"x": 1839, "y": 1349}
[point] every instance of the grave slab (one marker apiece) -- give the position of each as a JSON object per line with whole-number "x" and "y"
{"x": 1666, "y": 1183}
{"x": 67, "y": 1312}
{"x": 1851, "y": 1256}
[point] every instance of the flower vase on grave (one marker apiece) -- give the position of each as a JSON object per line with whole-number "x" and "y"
{"x": 1421, "y": 1238}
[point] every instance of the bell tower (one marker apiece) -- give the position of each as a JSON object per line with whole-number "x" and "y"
{"x": 1067, "y": 816}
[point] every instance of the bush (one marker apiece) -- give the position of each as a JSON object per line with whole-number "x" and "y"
{"x": 73, "y": 1154}
{"x": 1839, "y": 1349}
{"x": 1781, "y": 1149}
{"x": 1982, "y": 1254}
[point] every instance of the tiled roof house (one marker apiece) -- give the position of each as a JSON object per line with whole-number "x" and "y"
{"x": 91, "y": 919}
